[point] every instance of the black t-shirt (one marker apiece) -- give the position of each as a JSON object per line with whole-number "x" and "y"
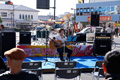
{"x": 112, "y": 76}
{"x": 2, "y": 64}
{"x": 20, "y": 76}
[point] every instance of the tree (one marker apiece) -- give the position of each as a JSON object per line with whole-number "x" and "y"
{"x": 0, "y": 19}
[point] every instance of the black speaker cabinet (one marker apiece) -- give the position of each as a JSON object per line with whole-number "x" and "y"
{"x": 25, "y": 38}
{"x": 7, "y": 41}
{"x": 94, "y": 19}
{"x": 81, "y": 37}
{"x": 102, "y": 46}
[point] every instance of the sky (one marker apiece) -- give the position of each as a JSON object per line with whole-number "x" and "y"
{"x": 61, "y": 6}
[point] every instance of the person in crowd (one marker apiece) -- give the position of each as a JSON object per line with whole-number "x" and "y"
{"x": 116, "y": 31}
{"x": 111, "y": 65}
{"x": 15, "y": 58}
{"x": 63, "y": 49}
{"x": 1, "y": 27}
{"x": 109, "y": 29}
{"x": 104, "y": 30}
{"x": 2, "y": 65}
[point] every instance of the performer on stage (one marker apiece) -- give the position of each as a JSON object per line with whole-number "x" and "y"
{"x": 63, "y": 38}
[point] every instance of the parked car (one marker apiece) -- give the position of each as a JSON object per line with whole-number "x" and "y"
{"x": 90, "y": 33}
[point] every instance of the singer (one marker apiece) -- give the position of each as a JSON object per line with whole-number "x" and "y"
{"x": 63, "y": 38}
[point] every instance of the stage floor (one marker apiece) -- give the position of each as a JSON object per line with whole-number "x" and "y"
{"x": 82, "y": 62}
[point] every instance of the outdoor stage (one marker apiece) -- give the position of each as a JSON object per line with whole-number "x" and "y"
{"x": 82, "y": 54}
{"x": 85, "y": 62}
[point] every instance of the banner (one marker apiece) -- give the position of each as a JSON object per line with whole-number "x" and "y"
{"x": 79, "y": 50}
{"x": 103, "y": 18}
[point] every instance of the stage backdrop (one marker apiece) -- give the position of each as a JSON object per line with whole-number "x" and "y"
{"x": 78, "y": 50}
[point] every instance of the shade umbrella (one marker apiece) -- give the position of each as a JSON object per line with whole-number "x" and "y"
{"x": 51, "y": 20}
{"x": 67, "y": 16}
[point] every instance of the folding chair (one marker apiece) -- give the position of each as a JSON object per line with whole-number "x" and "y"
{"x": 67, "y": 73}
{"x": 100, "y": 73}
{"x": 33, "y": 67}
{"x": 38, "y": 72}
{"x": 65, "y": 64}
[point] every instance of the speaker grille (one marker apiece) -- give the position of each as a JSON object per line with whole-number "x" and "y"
{"x": 7, "y": 41}
{"x": 25, "y": 38}
{"x": 102, "y": 46}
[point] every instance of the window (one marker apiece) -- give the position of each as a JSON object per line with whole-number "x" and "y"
{"x": 23, "y": 16}
{"x": 7, "y": 24}
{"x": 28, "y": 16}
{"x": 4, "y": 14}
{"x": 20, "y": 16}
{"x": 31, "y": 16}
{"x": 88, "y": 31}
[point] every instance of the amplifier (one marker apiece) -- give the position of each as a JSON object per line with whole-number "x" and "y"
{"x": 102, "y": 35}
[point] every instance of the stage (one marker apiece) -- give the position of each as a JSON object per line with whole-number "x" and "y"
{"x": 85, "y": 62}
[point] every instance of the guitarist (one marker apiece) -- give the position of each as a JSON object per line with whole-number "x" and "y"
{"x": 64, "y": 48}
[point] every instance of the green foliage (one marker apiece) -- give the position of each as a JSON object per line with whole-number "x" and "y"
{"x": 0, "y": 20}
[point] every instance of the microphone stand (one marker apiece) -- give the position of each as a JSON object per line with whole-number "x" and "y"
{"x": 46, "y": 44}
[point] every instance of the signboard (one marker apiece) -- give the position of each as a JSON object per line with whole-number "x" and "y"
{"x": 103, "y": 18}
{"x": 43, "y": 4}
{"x": 104, "y": 10}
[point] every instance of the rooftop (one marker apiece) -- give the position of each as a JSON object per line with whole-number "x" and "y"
{"x": 16, "y": 7}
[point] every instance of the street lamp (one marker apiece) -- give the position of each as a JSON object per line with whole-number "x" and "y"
{"x": 74, "y": 17}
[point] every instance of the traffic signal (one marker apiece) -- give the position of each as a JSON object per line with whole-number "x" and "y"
{"x": 8, "y": 3}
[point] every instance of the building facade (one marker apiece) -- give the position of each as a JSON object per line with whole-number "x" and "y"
{"x": 108, "y": 11}
{"x": 18, "y": 15}
{"x": 92, "y": 1}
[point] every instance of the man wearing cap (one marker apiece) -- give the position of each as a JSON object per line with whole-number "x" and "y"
{"x": 15, "y": 58}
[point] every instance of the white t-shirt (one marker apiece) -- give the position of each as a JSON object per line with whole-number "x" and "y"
{"x": 109, "y": 30}
{"x": 62, "y": 39}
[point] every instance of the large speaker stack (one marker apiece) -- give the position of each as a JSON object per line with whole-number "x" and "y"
{"x": 102, "y": 43}
{"x": 95, "y": 19}
{"x": 7, "y": 41}
{"x": 25, "y": 38}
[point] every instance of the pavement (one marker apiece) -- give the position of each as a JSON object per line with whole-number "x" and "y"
{"x": 84, "y": 76}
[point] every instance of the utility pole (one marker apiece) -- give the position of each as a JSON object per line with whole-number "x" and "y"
{"x": 54, "y": 8}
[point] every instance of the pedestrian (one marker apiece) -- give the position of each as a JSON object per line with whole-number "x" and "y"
{"x": 111, "y": 65}
{"x": 1, "y": 27}
{"x": 116, "y": 32}
{"x": 15, "y": 58}
{"x": 109, "y": 29}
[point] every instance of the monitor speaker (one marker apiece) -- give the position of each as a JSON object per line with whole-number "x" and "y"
{"x": 25, "y": 38}
{"x": 7, "y": 41}
{"x": 81, "y": 37}
{"x": 102, "y": 46}
{"x": 94, "y": 19}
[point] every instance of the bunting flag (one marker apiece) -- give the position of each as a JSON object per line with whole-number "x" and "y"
{"x": 79, "y": 1}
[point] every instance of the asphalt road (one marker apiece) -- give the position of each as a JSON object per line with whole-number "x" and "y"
{"x": 84, "y": 76}
{"x": 117, "y": 42}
